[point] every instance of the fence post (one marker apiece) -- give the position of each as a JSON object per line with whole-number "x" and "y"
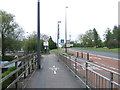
{"x": 86, "y": 71}
{"x": 86, "y": 74}
{"x": 76, "y": 63}
{"x": 111, "y": 79}
{"x": 70, "y": 60}
{"x": 87, "y": 56}
{"x": 24, "y": 69}
{"x": 76, "y": 66}
{"x": 77, "y": 54}
{"x": 81, "y": 54}
{"x": 28, "y": 67}
{"x": 32, "y": 62}
{"x": 36, "y": 61}
{"x": 16, "y": 75}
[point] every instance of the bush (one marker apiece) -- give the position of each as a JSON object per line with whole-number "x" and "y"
{"x": 112, "y": 44}
{"x": 10, "y": 79}
{"x": 8, "y": 58}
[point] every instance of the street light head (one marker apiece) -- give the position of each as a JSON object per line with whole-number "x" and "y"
{"x": 59, "y": 21}
{"x": 38, "y": 0}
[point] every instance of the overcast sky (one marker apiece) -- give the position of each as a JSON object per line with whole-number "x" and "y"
{"x": 82, "y": 15}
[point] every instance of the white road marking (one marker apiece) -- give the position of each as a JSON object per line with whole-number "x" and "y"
{"x": 90, "y": 67}
{"x": 105, "y": 57}
{"x": 106, "y": 66}
{"x": 54, "y": 69}
{"x": 96, "y": 58}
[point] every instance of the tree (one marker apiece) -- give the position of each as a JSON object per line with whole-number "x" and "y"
{"x": 90, "y": 38}
{"x": 97, "y": 41}
{"x": 108, "y": 36}
{"x": 52, "y": 44}
{"x": 116, "y": 33}
{"x": 112, "y": 38}
{"x": 30, "y": 44}
{"x": 80, "y": 37}
{"x": 44, "y": 37}
{"x": 10, "y": 31}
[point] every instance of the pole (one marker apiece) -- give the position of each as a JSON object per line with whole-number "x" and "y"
{"x": 58, "y": 40}
{"x": 58, "y": 37}
{"x": 38, "y": 47}
{"x": 66, "y": 29}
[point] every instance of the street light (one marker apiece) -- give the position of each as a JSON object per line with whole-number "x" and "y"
{"x": 38, "y": 27}
{"x": 66, "y": 29}
{"x": 58, "y": 35}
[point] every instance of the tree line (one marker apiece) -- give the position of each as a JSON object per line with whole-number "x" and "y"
{"x": 91, "y": 38}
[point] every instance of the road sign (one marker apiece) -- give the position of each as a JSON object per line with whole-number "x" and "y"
{"x": 68, "y": 41}
{"x": 69, "y": 45}
{"x": 45, "y": 43}
{"x": 62, "y": 40}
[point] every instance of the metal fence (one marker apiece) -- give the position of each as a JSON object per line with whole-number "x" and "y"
{"x": 28, "y": 64}
{"x": 92, "y": 75}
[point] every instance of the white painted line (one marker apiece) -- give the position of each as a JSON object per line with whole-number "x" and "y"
{"x": 54, "y": 69}
{"x": 90, "y": 67}
{"x": 96, "y": 58}
{"x": 106, "y": 57}
{"x": 106, "y": 66}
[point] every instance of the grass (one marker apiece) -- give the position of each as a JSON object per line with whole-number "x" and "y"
{"x": 99, "y": 49}
{"x": 60, "y": 52}
{"x": 57, "y": 51}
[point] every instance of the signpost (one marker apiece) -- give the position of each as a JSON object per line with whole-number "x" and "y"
{"x": 62, "y": 40}
{"x": 68, "y": 41}
{"x": 45, "y": 43}
{"x": 69, "y": 45}
{"x": 45, "y": 46}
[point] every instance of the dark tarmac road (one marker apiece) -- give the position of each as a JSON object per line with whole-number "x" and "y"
{"x": 101, "y": 53}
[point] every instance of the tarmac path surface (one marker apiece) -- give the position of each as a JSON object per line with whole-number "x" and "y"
{"x": 53, "y": 74}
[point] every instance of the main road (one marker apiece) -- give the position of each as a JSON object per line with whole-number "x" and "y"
{"x": 100, "y": 53}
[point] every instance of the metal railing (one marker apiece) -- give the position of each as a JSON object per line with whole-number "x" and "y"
{"x": 28, "y": 64}
{"x": 92, "y": 75}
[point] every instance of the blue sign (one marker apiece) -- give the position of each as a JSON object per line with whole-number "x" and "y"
{"x": 62, "y": 40}
{"x": 68, "y": 41}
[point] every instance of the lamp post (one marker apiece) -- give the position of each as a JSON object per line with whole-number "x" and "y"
{"x": 66, "y": 29}
{"x": 38, "y": 32}
{"x": 58, "y": 35}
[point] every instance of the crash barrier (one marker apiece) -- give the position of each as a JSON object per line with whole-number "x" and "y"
{"x": 92, "y": 75}
{"x": 27, "y": 65}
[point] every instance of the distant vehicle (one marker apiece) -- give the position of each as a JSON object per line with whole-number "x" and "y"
{"x": 5, "y": 68}
{"x": 104, "y": 47}
{"x": 14, "y": 53}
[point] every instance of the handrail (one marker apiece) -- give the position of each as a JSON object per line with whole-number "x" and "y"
{"x": 27, "y": 65}
{"x": 110, "y": 79}
{"x": 18, "y": 59}
{"x": 97, "y": 66}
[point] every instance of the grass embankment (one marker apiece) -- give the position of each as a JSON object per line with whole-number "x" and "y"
{"x": 60, "y": 52}
{"x": 99, "y": 49}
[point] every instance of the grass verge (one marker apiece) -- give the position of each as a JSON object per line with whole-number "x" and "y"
{"x": 60, "y": 52}
{"x": 99, "y": 49}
